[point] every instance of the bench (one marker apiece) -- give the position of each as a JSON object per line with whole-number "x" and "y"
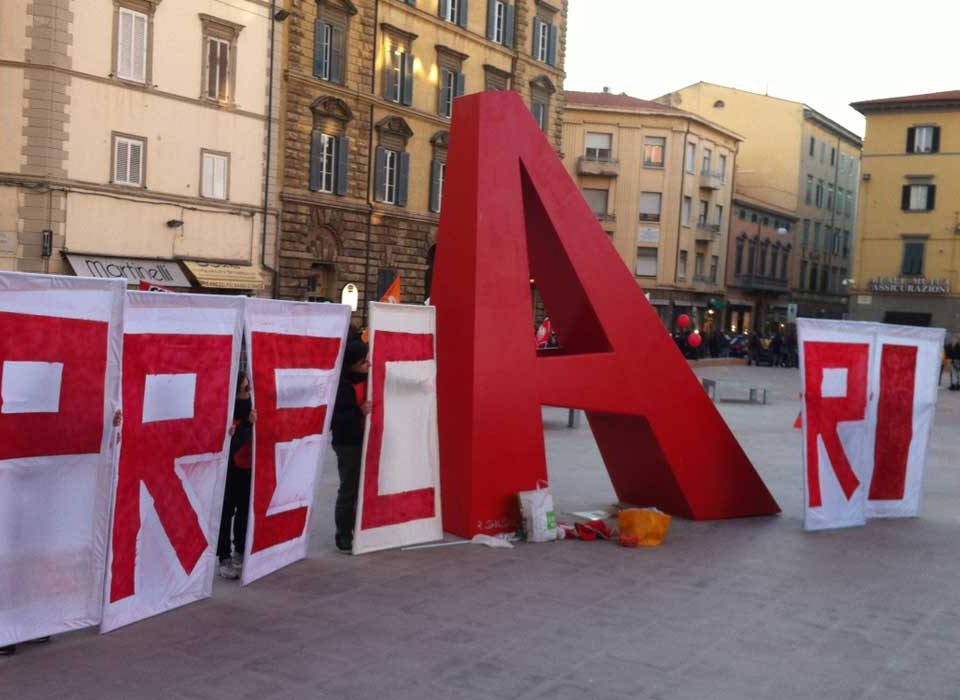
{"x": 755, "y": 393}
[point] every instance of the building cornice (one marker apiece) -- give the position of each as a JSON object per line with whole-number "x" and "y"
{"x": 812, "y": 115}
{"x": 131, "y": 194}
{"x": 127, "y": 85}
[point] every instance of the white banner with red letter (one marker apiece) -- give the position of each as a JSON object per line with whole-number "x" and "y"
{"x": 295, "y": 351}
{"x": 180, "y": 359}
{"x": 869, "y": 395}
{"x": 399, "y": 502}
{"x": 60, "y": 344}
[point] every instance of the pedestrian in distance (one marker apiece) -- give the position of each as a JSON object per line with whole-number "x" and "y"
{"x": 954, "y": 357}
{"x": 349, "y": 419}
{"x": 236, "y": 496}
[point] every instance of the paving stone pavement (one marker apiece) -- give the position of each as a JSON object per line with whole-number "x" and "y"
{"x": 750, "y": 608}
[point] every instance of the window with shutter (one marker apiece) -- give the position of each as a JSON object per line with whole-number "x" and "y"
{"x": 132, "y": 28}
{"x": 918, "y": 197}
{"x": 913, "y": 254}
{"x": 218, "y": 70}
{"x": 215, "y": 169}
{"x": 322, "y": 162}
{"x": 219, "y": 58}
{"x": 322, "y": 48}
{"x": 496, "y": 21}
{"x": 599, "y": 146}
{"x": 542, "y": 39}
{"x": 654, "y": 148}
{"x": 925, "y": 139}
{"x": 646, "y": 262}
{"x": 389, "y": 175}
{"x": 650, "y": 203}
{"x": 128, "y": 159}
{"x": 330, "y": 38}
{"x": 438, "y": 173}
{"x": 448, "y": 80}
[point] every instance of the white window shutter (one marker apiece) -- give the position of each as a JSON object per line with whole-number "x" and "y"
{"x": 139, "y": 47}
{"x": 207, "y": 184}
{"x": 220, "y": 177}
{"x": 136, "y": 163}
{"x": 121, "y": 167}
{"x": 125, "y": 44}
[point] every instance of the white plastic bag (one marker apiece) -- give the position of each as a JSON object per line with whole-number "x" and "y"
{"x": 539, "y": 517}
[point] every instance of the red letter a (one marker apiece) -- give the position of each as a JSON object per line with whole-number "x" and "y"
{"x": 510, "y": 213}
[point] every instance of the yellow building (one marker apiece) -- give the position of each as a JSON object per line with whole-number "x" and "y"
{"x": 794, "y": 159}
{"x": 660, "y": 181}
{"x": 908, "y": 251}
{"x": 370, "y": 92}
{"x": 133, "y": 138}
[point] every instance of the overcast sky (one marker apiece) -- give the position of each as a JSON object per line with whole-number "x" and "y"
{"x": 826, "y": 53}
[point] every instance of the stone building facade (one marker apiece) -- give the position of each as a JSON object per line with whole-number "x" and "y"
{"x": 368, "y": 93}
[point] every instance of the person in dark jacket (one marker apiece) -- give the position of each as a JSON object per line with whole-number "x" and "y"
{"x": 349, "y": 418}
{"x": 953, "y": 355}
{"x": 236, "y": 497}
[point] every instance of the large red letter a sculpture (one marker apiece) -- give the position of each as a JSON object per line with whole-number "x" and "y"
{"x": 510, "y": 213}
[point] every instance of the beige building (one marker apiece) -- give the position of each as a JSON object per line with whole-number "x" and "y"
{"x": 795, "y": 159}
{"x": 660, "y": 181}
{"x": 134, "y": 138}
{"x": 908, "y": 252}
{"x": 369, "y": 94}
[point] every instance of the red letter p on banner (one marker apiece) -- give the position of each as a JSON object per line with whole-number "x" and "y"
{"x": 512, "y": 213}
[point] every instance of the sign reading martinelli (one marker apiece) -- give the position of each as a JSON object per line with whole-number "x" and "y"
{"x": 165, "y": 272}
{"x": 910, "y": 285}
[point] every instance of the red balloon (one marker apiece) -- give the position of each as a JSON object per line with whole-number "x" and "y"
{"x": 683, "y": 321}
{"x": 695, "y": 340}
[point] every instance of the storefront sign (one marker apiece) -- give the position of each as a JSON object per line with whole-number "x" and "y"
{"x": 165, "y": 272}
{"x": 864, "y": 299}
{"x": 221, "y": 276}
{"x": 910, "y": 285}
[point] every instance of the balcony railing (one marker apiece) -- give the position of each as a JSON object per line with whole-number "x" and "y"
{"x": 605, "y": 216}
{"x": 711, "y": 180}
{"x": 706, "y": 232}
{"x": 588, "y": 165}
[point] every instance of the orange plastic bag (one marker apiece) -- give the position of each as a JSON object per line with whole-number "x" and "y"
{"x": 643, "y": 527}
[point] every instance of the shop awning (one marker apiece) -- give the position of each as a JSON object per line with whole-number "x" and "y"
{"x": 221, "y": 276}
{"x": 166, "y": 273}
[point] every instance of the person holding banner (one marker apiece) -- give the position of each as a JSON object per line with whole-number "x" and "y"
{"x": 349, "y": 418}
{"x": 236, "y": 497}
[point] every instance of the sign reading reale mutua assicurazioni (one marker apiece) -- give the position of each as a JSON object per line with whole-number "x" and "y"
{"x": 165, "y": 272}
{"x": 910, "y": 285}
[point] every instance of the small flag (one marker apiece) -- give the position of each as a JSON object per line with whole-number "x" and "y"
{"x": 392, "y": 295}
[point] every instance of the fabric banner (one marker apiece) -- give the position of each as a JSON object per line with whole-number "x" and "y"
{"x": 869, "y": 395}
{"x": 180, "y": 360}
{"x": 295, "y": 352}
{"x": 399, "y": 501}
{"x": 60, "y": 346}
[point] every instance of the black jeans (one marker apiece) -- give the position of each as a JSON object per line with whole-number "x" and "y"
{"x": 348, "y": 465}
{"x": 236, "y": 505}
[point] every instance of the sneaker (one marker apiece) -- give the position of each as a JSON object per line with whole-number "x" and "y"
{"x": 228, "y": 570}
{"x": 344, "y": 543}
{"x": 237, "y": 559}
